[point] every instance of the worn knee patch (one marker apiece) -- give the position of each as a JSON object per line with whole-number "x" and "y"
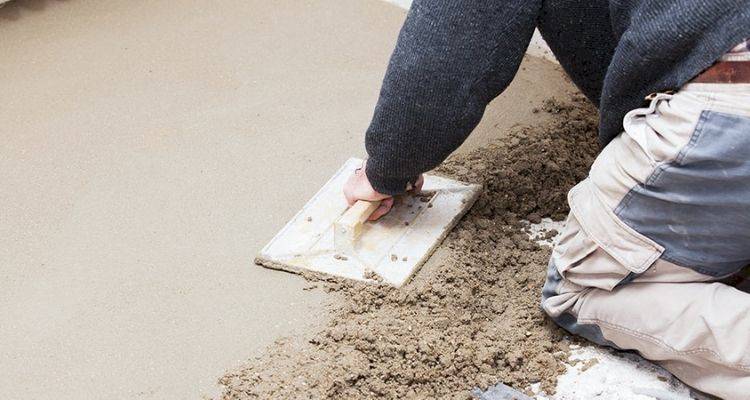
{"x": 696, "y": 206}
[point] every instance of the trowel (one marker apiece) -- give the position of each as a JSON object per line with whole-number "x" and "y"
{"x": 327, "y": 237}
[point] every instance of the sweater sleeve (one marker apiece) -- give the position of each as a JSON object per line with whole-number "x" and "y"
{"x": 451, "y": 59}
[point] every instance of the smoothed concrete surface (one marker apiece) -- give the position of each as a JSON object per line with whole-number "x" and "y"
{"x": 149, "y": 150}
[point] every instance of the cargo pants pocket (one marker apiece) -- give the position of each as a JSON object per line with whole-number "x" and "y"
{"x": 595, "y": 251}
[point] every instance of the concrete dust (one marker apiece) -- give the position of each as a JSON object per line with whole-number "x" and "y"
{"x": 471, "y": 317}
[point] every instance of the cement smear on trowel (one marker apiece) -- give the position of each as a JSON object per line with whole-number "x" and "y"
{"x": 471, "y": 317}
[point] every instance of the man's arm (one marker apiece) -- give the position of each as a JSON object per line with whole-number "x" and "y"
{"x": 452, "y": 58}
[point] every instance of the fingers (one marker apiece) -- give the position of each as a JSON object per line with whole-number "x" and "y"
{"x": 384, "y": 208}
{"x": 355, "y": 189}
{"x": 358, "y": 187}
{"x": 387, "y": 204}
{"x": 418, "y": 184}
{"x": 349, "y": 191}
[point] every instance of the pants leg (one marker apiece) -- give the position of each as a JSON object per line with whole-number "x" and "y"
{"x": 698, "y": 331}
{"x": 662, "y": 218}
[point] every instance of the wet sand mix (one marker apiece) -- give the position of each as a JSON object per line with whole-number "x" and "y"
{"x": 471, "y": 317}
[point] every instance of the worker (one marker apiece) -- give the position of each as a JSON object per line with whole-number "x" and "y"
{"x": 664, "y": 215}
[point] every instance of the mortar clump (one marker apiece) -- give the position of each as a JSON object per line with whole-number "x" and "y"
{"x": 471, "y": 317}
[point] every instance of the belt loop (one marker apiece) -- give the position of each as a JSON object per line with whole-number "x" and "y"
{"x": 654, "y": 95}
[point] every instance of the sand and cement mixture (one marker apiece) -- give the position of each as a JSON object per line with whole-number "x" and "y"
{"x": 471, "y": 317}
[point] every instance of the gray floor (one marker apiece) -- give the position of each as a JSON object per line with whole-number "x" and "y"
{"x": 150, "y": 149}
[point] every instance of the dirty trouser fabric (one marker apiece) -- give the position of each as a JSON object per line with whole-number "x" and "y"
{"x": 661, "y": 221}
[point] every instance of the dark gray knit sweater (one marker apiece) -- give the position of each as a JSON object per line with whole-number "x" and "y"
{"x": 454, "y": 56}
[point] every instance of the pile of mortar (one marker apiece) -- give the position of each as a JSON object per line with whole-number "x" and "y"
{"x": 471, "y": 317}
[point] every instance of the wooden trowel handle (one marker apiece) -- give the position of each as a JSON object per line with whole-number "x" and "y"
{"x": 348, "y": 227}
{"x": 358, "y": 213}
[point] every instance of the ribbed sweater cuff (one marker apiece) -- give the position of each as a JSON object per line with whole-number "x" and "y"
{"x": 385, "y": 184}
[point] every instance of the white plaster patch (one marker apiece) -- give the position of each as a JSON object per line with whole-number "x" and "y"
{"x": 540, "y": 232}
{"x": 598, "y": 373}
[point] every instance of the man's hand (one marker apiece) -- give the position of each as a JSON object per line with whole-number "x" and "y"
{"x": 358, "y": 187}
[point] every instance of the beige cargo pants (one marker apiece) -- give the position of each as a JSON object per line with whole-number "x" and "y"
{"x": 661, "y": 221}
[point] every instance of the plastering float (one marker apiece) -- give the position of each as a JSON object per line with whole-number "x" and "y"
{"x": 329, "y": 237}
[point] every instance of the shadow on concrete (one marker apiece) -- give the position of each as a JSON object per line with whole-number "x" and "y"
{"x": 15, "y": 9}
